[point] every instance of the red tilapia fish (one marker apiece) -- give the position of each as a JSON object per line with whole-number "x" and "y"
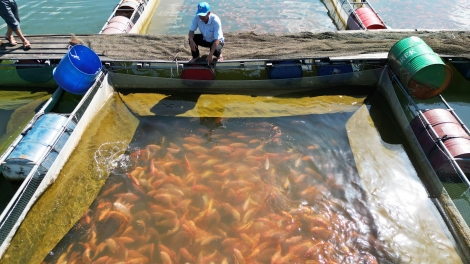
{"x": 249, "y": 198}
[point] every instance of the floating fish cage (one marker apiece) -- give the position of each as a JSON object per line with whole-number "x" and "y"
{"x": 47, "y": 135}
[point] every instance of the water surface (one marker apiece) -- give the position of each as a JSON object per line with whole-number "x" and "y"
{"x": 63, "y": 17}
{"x": 283, "y": 188}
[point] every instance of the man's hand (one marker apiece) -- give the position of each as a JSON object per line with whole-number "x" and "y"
{"x": 209, "y": 59}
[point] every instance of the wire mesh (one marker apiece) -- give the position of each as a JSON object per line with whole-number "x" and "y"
{"x": 13, "y": 215}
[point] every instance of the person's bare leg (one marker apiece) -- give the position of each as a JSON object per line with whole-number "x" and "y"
{"x": 19, "y": 34}
{"x": 10, "y": 37}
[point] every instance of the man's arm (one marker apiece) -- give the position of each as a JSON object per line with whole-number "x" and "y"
{"x": 211, "y": 53}
{"x": 214, "y": 47}
{"x": 192, "y": 44}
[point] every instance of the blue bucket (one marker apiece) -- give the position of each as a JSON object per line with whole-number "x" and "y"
{"x": 77, "y": 70}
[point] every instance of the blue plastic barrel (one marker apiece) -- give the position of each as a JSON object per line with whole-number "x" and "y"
{"x": 77, "y": 70}
{"x": 334, "y": 69}
{"x": 285, "y": 70}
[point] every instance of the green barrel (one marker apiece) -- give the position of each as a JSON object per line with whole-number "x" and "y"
{"x": 418, "y": 68}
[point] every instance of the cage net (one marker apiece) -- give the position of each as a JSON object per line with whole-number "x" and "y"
{"x": 250, "y": 45}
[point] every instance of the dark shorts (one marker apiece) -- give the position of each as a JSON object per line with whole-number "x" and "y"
{"x": 199, "y": 40}
{"x": 9, "y": 13}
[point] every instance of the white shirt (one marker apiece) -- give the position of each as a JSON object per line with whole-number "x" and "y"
{"x": 210, "y": 31}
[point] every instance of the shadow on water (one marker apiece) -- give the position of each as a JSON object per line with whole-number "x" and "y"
{"x": 175, "y": 104}
{"x": 5, "y": 114}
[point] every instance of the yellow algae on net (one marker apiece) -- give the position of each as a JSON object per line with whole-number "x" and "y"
{"x": 66, "y": 200}
{"x": 10, "y": 100}
{"x": 25, "y": 104}
{"x": 408, "y": 220}
{"x": 222, "y": 105}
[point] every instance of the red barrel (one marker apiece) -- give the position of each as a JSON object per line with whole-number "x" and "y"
{"x": 118, "y": 25}
{"x": 198, "y": 72}
{"x": 369, "y": 18}
{"x": 451, "y": 133}
{"x": 458, "y": 148}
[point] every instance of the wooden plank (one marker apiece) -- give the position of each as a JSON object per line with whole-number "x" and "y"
{"x": 37, "y": 46}
{"x": 46, "y": 41}
{"x": 31, "y": 57}
{"x": 40, "y": 40}
{"x": 35, "y": 51}
{"x": 28, "y": 56}
{"x": 43, "y": 47}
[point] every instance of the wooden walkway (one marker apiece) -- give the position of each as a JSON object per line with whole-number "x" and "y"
{"x": 240, "y": 46}
{"x": 43, "y": 47}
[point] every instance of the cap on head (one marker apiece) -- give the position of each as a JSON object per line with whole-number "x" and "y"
{"x": 202, "y": 9}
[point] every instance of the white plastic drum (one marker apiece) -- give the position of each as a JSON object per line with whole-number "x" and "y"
{"x": 46, "y": 134}
{"x": 118, "y": 25}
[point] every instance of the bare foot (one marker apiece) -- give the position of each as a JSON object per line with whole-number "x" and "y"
{"x": 220, "y": 58}
{"x": 193, "y": 60}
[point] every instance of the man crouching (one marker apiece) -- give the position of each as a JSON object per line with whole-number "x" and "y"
{"x": 211, "y": 33}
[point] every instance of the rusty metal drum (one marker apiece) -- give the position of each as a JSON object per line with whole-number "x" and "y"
{"x": 421, "y": 71}
{"x": 453, "y": 136}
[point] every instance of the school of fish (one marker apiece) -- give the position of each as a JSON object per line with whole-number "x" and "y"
{"x": 237, "y": 198}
